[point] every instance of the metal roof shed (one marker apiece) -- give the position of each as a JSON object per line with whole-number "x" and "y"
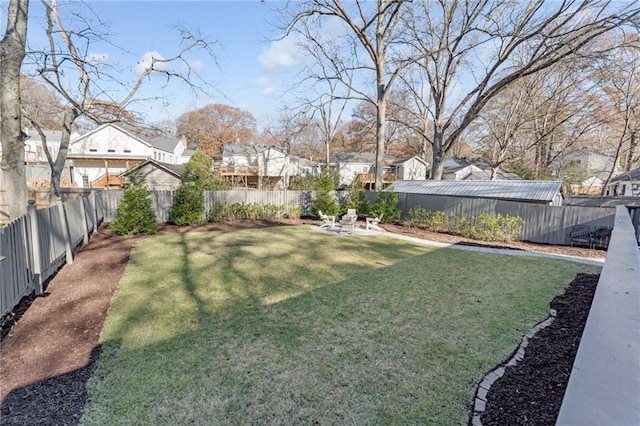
{"x": 529, "y": 191}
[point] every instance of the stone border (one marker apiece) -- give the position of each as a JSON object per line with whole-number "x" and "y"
{"x": 480, "y": 400}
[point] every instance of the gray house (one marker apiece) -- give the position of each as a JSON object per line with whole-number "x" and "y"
{"x": 158, "y": 176}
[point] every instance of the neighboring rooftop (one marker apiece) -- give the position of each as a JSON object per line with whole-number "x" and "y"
{"x": 627, "y": 176}
{"x": 531, "y": 190}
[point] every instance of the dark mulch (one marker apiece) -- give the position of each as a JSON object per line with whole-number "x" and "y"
{"x": 530, "y": 393}
{"x": 57, "y": 400}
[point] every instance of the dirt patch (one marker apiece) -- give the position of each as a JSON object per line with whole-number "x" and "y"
{"x": 48, "y": 355}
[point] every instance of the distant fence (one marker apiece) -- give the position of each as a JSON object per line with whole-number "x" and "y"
{"x": 162, "y": 200}
{"x": 543, "y": 224}
{"x": 33, "y": 247}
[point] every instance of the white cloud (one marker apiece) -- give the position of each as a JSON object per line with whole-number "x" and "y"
{"x": 145, "y": 62}
{"x": 269, "y": 91}
{"x": 263, "y": 81}
{"x": 280, "y": 55}
{"x": 97, "y": 58}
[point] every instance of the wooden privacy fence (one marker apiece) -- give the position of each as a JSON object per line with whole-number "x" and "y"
{"x": 33, "y": 247}
{"x": 162, "y": 200}
{"x": 543, "y": 224}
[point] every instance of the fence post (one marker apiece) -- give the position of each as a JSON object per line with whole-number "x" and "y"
{"x": 94, "y": 210}
{"x": 85, "y": 228}
{"x": 35, "y": 248}
{"x": 64, "y": 227}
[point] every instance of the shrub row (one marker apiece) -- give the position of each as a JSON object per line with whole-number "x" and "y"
{"x": 484, "y": 227}
{"x": 252, "y": 211}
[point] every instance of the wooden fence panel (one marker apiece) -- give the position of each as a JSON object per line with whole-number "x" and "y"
{"x": 73, "y": 211}
{"x": 162, "y": 201}
{"x": 15, "y": 270}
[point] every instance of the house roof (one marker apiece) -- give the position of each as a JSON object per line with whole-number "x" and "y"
{"x": 139, "y": 138}
{"x": 165, "y": 143}
{"x": 359, "y": 157}
{"x": 399, "y": 161}
{"x": 176, "y": 170}
{"x": 530, "y": 190}
{"x": 627, "y": 176}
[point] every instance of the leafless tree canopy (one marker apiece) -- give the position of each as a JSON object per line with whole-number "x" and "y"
{"x": 451, "y": 57}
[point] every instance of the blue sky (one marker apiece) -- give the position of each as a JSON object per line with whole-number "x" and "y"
{"x": 251, "y": 72}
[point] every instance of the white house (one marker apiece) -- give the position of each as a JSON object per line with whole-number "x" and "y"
{"x": 456, "y": 168}
{"x": 97, "y": 158}
{"x": 411, "y": 168}
{"x": 596, "y": 168}
{"x": 257, "y": 165}
{"x": 626, "y": 184}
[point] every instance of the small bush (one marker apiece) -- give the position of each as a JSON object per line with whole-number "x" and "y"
{"x": 356, "y": 198}
{"x": 251, "y": 211}
{"x": 325, "y": 202}
{"x": 436, "y": 221}
{"x": 386, "y": 204}
{"x": 188, "y": 206}
{"x": 135, "y": 213}
{"x": 484, "y": 227}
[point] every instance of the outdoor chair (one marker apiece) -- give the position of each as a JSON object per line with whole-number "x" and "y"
{"x": 328, "y": 222}
{"x": 348, "y": 221}
{"x": 581, "y": 234}
{"x": 601, "y": 236}
{"x": 372, "y": 223}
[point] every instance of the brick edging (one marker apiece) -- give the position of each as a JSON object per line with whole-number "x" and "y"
{"x": 480, "y": 400}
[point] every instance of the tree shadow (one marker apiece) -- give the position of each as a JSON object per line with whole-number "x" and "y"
{"x": 55, "y": 400}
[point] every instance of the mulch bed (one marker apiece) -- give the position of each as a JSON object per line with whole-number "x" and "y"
{"x": 50, "y": 344}
{"x": 530, "y": 393}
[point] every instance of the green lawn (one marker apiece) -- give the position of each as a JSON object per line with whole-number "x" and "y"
{"x": 289, "y": 325}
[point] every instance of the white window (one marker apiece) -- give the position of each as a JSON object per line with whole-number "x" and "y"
{"x": 85, "y": 181}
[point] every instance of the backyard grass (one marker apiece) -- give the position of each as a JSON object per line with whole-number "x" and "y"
{"x": 289, "y": 325}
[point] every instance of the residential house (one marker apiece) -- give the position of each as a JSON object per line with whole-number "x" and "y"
{"x": 255, "y": 166}
{"x": 626, "y": 184}
{"x": 360, "y": 167}
{"x": 158, "y": 176}
{"x": 97, "y": 158}
{"x": 458, "y": 168}
{"x": 308, "y": 167}
{"x": 593, "y": 168}
{"x": 411, "y": 168}
{"x": 37, "y": 168}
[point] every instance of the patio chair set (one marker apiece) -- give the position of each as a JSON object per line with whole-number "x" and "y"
{"x": 584, "y": 235}
{"x": 347, "y": 222}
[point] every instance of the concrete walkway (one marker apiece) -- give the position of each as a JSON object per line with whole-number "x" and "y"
{"x": 511, "y": 252}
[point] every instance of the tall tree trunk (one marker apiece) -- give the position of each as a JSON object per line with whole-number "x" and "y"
{"x": 12, "y": 51}
{"x": 438, "y": 153}
{"x": 380, "y": 141}
{"x": 633, "y": 145}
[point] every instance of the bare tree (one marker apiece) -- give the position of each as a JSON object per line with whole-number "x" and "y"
{"x": 364, "y": 52}
{"x": 618, "y": 77}
{"x": 471, "y": 50}
{"x": 67, "y": 48}
{"x": 12, "y": 53}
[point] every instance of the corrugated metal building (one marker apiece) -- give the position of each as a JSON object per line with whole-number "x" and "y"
{"x": 528, "y": 191}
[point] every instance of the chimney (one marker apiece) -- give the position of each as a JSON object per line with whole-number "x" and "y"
{"x": 183, "y": 139}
